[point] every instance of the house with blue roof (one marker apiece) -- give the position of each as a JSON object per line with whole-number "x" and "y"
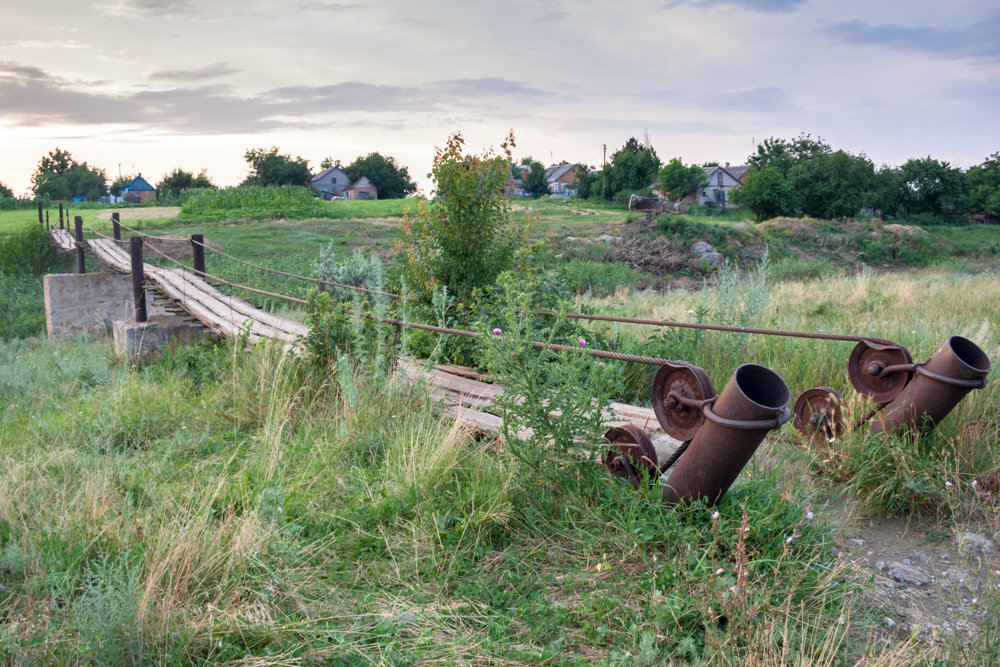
{"x": 139, "y": 191}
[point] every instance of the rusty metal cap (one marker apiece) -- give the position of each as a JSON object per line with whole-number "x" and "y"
{"x": 865, "y": 370}
{"x": 676, "y": 387}
{"x": 818, "y": 415}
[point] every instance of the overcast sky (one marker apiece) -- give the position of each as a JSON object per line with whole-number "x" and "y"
{"x": 149, "y": 85}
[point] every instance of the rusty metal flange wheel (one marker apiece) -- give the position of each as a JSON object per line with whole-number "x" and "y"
{"x": 818, "y": 415}
{"x": 867, "y": 365}
{"x": 631, "y": 455}
{"x": 677, "y": 390}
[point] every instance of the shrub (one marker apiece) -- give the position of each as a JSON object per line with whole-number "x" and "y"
{"x": 464, "y": 237}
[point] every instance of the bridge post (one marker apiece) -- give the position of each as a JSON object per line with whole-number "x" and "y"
{"x": 81, "y": 266}
{"x": 60, "y": 216}
{"x": 138, "y": 291}
{"x": 47, "y": 225}
{"x": 116, "y": 226}
{"x": 198, "y": 254}
{"x": 40, "y": 221}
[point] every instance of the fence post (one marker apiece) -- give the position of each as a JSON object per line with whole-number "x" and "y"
{"x": 47, "y": 225}
{"x": 116, "y": 226}
{"x": 60, "y": 216}
{"x": 198, "y": 254}
{"x": 138, "y": 291}
{"x": 40, "y": 221}
{"x": 81, "y": 266}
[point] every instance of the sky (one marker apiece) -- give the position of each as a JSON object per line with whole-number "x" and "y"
{"x": 151, "y": 85}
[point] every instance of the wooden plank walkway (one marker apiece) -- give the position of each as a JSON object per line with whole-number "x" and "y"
{"x": 461, "y": 392}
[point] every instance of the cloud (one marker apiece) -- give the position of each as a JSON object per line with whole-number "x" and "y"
{"x": 766, "y": 6}
{"x": 150, "y": 8}
{"x": 33, "y": 97}
{"x": 212, "y": 71}
{"x": 977, "y": 40}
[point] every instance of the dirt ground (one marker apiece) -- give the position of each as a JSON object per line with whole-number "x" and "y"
{"x": 141, "y": 213}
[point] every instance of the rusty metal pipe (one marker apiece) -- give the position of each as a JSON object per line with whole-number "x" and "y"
{"x": 958, "y": 367}
{"x": 754, "y": 402}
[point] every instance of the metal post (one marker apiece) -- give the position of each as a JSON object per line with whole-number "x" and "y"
{"x": 40, "y": 221}
{"x": 81, "y": 266}
{"x": 116, "y": 226}
{"x": 60, "y": 216}
{"x": 138, "y": 291}
{"x": 198, "y": 254}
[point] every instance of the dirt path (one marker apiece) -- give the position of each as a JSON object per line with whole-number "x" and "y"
{"x": 141, "y": 213}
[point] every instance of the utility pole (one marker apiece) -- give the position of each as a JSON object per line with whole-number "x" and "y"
{"x": 604, "y": 164}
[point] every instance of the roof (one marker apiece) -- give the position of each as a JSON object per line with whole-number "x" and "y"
{"x": 558, "y": 171}
{"x": 736, "y": 173}
{"x": 326, "y": 172}
{"x": 139, "y": 184}
{"x": 362, "y": 182}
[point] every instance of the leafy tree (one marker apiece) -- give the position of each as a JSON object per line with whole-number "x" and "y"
{"x": 767, "y": 193}
{"x": 5, "y": 192}
{"x": 268, "y": 167}
{"x": 585, "y": 182}
{"x": 834, "y": 185}
{"x": 328, "y": 162}
{"x": 633, "y": 167}
{"x": 463, "y": 238}
{"x": 390, "y": 179}
{"x": 177, "y": 181}
{"x": 678, "y": 181}
{"x": 932, "y": 187}
{"x": 119, "y": 183}
{"x": 59, "y": 176}
{"x": 534, "y": 181}
{"x": 784, "y": 154}
{"x": 983, "y": 181}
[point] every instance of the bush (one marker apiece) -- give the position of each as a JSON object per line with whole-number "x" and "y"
{"x": 464, "y": 238}
{"x": 252, "y": 201}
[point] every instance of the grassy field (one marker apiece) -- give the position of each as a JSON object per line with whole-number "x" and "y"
{"x": 218, "y": 505}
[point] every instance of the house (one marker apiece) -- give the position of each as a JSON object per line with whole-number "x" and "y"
{"x": 331, "y": 182}
{"x": 515, "y": 184}
{"x": 361, "y": 189}
{"x": 560, "y": 178}
{"x": 719, "y": 182}
{"x": 139, "y": 191}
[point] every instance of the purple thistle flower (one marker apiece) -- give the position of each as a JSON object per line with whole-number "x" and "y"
{"x": 497, "y": 331}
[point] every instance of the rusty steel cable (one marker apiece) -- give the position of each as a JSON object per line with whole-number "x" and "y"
{"x": 814, "y": 335}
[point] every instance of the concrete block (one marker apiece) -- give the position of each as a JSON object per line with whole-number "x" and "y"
{"x": 88, "y": 303}
{"x": 143, "y": 340}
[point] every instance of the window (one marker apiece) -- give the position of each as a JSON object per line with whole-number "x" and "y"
{"x": 718, "y": 177}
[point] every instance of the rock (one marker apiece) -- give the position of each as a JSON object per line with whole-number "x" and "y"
{"x": 858, "y": 541}
{"x": 607, "y": 238}
{"x": 880, "y": 565}
{"x": 908, "y": 574}
{"x": 889, "y": 623}
{"x": 706, "y": 253}
{"x": 971, "y": 543}
{"x": 918, "y": 557}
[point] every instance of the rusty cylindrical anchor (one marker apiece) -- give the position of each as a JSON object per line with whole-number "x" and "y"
{"x": 754, "y": 402}
{"x": 938, "y": 384}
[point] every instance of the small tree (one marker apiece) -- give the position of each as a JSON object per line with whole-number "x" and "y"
{"x": 177, "y": 181}
{"x": 59, "y": 176}
{"x": 984, "y": 185}
{"x": 463, "y": 238}
{"x": 534, "y": 181}
{"x": 767, "y": 193}
{"x": 678, "y": 181}
{"x": 268, "y": 167}
{"x": 5, "y": 192}
{"x": 390, "y": 179}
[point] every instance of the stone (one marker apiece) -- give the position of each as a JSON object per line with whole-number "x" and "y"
{"x": 908, "y": 574}
{"x": 705, "y": 252}
{"x": 970, "y": 543}
{"x": 143, "y": 340}
{"x": 918, "y": 557}
{"x": 889, "y": 623}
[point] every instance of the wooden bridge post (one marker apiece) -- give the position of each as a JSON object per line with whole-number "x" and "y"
{"x": 116, "y": 226}
{"x": 81, "y": 266}
{"x": 47, "y": 225}
{"x": 60, "y": 216}
{"x": 138, "y": 291}
{"x": 198, "y": 254}
{"x": 40, "y": 221}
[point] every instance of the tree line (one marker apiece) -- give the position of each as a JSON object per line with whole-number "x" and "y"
{"x": 59, "y": 176}
{"x": 806, "y": 176}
